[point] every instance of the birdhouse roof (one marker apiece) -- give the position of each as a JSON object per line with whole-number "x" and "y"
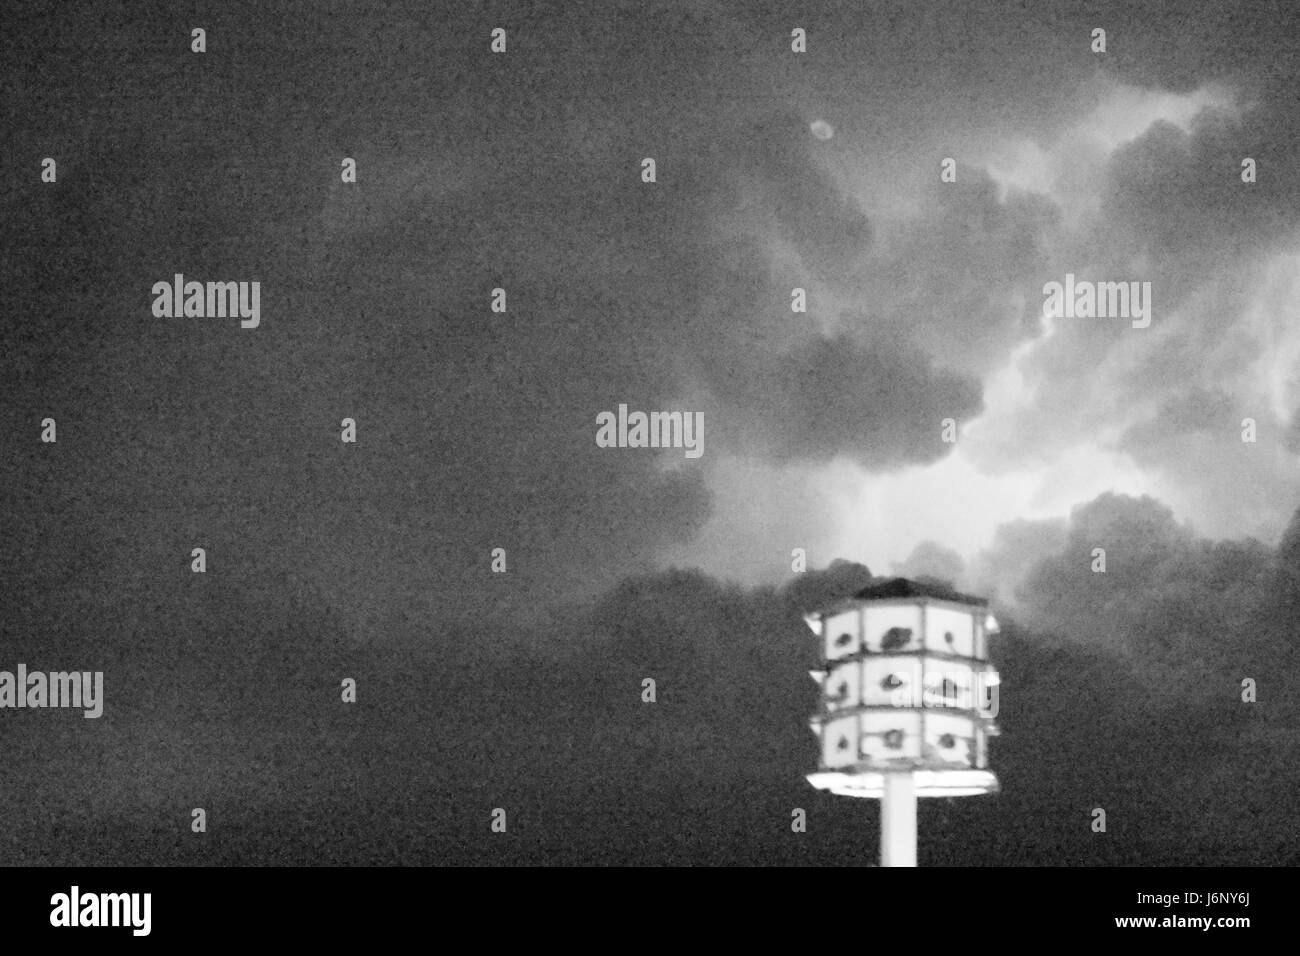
{"x": 907, "y": 588}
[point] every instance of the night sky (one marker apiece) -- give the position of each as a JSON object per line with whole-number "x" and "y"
{"x": 476, "y": 430}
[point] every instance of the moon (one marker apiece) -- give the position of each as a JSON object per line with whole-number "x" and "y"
{"x": 822, "y": 129}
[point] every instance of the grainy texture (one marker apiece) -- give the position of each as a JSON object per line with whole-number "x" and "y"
{"x": 522, "y": 170}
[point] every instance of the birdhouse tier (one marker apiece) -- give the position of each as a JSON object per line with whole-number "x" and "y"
{"x": 902, "y": 740}
{"x": 903, "y": 626}
{"x": 895, "y": 681}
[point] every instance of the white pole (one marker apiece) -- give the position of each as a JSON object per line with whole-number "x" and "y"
{"x": 898, "y": 820}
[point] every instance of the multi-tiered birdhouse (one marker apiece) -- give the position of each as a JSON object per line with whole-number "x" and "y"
{"x": 907, "y": 689}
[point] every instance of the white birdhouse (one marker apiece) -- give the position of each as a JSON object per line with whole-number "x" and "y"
{"x": 907, "y": 689}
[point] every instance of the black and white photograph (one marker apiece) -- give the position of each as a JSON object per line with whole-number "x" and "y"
{"x": 719, "y": 434}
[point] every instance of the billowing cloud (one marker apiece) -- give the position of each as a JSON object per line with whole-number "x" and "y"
{"x": 476, "y": 428}
{"x": 929, "y": 559}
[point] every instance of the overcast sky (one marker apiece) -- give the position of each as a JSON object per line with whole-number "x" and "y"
{"x": 477, "y": 430}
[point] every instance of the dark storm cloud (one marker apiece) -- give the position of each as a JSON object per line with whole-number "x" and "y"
{"x": 1168, "y": 598}
{"x": 961, "y": 278}
{"x": 929, "y": 559}
{"x": 1180, "y": 196}
{"x": 878, "y": 406}
{"x": 1095, "y": 711}
{"x": 1180, "y": 192}
{"x": 1211, "y": 412}
{"x": 473, "y": 177}
{"x": 826, "y": 227}
{"x": 476, "y": 431}
{"x": 1174, "y": 211}
{"x": 1017, "y": 548}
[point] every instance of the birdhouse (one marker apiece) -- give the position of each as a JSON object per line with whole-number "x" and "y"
{"x": 907, "y": 689}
